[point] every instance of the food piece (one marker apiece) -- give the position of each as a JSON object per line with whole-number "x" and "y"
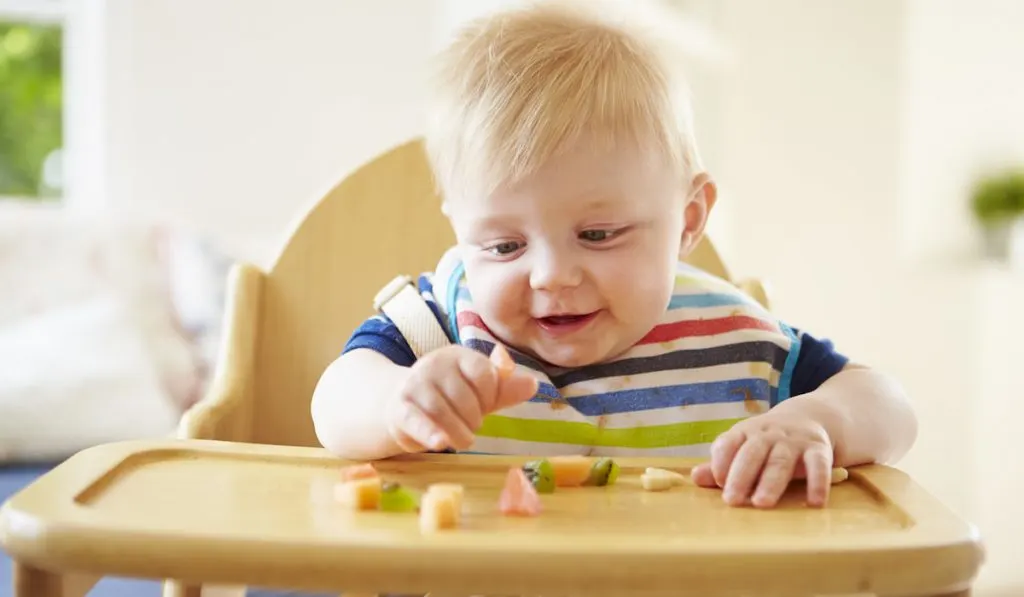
{"x": 359, "y": 494}
{"x": 519, "y": 498}
{"x": 395, "y": 498}
{"x": 541, "y": 475}
{"x": 439, "y": 510}
{"x": 359, "y": 471}
{"x": 454, "y": 490}
{"x": 677, "y": 478}
{"x": 839, "y": 474}
{"x": 655, "y": 479}
{"x": 571, "y": 471}
{"x": 604, "y": 471}
{"x": 503, "y": 361}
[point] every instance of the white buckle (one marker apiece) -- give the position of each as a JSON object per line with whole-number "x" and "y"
{"x": 390, "y": 291}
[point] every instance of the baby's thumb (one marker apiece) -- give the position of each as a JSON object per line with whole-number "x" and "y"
{"x": 702, "y": 475}
{"x": 515, "y": 389}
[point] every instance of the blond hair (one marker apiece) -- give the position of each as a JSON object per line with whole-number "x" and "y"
{"x": 517, "y": 87}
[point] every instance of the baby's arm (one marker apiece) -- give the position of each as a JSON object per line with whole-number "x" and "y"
{"x": 866, "y": 414}
{"x": 349, "y": 405}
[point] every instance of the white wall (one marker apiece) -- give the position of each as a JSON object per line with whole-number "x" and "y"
{"x": 234, "y": 114}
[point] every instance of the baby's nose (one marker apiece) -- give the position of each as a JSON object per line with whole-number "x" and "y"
{"x": 553, "y": 272}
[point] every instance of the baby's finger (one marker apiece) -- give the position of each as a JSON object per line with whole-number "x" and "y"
{"x": 462, "y": 398}
{"x": 518, "y": 388}
{"x": 414, "y": 429}
{"x": 702, "y": 475}
{"x": 482, "y": 376}
{"x": 777, "y": 473}
{"x": 818, "y": 462}
{"x": 723, "y": 451}
{"x": 745, "y": 470}
{"x": 435, "y": 404}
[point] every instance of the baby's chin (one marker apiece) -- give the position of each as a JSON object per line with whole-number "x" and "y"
{"x": 569, "y": 357}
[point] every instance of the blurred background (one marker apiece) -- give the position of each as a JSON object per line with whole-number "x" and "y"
{"x": 868, "y": 154}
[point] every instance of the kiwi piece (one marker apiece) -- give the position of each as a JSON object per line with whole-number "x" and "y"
{"x": 395, "y": 498}
{"x": 541, "y": 475}
{"x": 605, "y": 471}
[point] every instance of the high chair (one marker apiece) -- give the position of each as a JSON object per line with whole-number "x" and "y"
{"x": 284, "y": 326}
{"x": 244, "y": 496}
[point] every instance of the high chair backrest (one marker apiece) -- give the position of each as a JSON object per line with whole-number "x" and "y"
{"x": 381, "y": 221}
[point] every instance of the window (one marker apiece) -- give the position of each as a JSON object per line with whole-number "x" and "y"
{"x": 31, "y": 99}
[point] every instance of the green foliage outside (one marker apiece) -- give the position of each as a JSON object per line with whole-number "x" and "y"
{"x": 31, "y": 98}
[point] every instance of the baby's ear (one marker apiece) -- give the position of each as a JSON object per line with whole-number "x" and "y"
{"x": 700, "y": 200}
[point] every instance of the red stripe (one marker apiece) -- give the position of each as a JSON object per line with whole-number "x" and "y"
{"x": 704, "y": 327}
{"x": 471, "y": 319}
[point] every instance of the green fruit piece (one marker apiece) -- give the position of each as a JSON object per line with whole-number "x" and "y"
{"x": 395, "y": 498}
{"x": 605, "y": 471}
{"x": 541, "y": 475}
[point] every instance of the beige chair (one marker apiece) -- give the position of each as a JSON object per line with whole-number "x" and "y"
{"x": 285, "y": 325}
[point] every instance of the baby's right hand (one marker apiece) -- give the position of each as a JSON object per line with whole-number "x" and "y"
{"x": 446, "y": 396}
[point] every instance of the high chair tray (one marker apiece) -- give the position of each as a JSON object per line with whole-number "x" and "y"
{"x": 266, "y": 515}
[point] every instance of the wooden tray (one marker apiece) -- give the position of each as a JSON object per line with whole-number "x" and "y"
{"x": 265, "y": 515}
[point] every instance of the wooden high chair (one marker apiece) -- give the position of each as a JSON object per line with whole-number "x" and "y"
{"x": 283, "y": 327}
{"x": 258, "y": 507}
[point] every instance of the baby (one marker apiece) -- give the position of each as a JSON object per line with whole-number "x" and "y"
{"x": 564, "y": 151}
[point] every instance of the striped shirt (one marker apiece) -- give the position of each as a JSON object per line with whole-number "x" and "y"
{"x": 715, "y": 358}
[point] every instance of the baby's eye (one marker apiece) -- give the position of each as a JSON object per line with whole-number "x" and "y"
{"x": 596, "y": 236}
{"x": 505, "y": 248}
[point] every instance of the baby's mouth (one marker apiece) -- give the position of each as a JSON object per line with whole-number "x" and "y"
{"x": 565, "y": 322}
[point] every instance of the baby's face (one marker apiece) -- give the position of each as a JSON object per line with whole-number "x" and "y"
{"x": 575, "y": 264}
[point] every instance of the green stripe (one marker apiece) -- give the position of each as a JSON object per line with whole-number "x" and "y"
{"x": 567, "y": 432}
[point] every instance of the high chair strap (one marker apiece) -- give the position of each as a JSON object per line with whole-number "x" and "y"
{"x": 407, "y": 309}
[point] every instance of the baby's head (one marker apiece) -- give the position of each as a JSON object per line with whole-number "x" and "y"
{"x": 563, "y": 147}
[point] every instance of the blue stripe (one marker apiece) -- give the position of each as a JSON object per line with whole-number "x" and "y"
{"x": 641, "y": 399}
{"x": 786, "y": 379}
{"x": 451, "y": 294}
{"x": 710, "y": 299}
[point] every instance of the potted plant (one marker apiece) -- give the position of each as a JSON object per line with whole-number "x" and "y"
{"x": 998, "y": 205}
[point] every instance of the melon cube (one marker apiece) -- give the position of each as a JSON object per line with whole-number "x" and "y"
{"x": 440, "y": 509}
{"x": 571, "y": 471}
{"x": 359, "y": 494}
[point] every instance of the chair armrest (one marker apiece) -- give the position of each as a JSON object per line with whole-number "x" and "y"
{"x": 756, "y": 290}
{"x": 225, "y": 412}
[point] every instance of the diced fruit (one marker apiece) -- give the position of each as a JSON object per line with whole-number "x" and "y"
{"x": 503, "y": 361}
{"x": 839, "y": 474}
{"x": 519, "y": 498}
{"x": 677, "y": 478}
{"x": 440, "y": 509}
{"x": 657, "y": 479}
{"x": 453, "y": 489}
{"x": 359, "y": 494}
{"x": 571, "y": 471}
{"x": 395, "y": 498}
{"x": 359, "y": 471}
{"x": 603, "y": 472}
{"x": 541, "y": 475}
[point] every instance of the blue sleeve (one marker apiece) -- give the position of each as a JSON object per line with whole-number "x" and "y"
{"x": 817, "y": 362}
{"x": 380, "y": 334}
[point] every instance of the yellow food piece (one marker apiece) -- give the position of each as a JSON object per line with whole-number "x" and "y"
{"x": 453, "y": 489}
{"x": 571, "y": 471}
{"x": 439, "y": 510}
{"x": 839, "y": 474}
{"x": 359, "y": 494}
{"x": 677, "y": 478}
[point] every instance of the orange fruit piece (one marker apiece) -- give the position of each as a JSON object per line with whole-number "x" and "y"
{"x": 571, "y": 471}
{"x": 503, "y": 361}
{"x": 440, "y": 508}
{"x": 359, "y": 494}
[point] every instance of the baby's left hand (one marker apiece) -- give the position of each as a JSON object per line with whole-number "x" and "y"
{"x": 755, "y": 460}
